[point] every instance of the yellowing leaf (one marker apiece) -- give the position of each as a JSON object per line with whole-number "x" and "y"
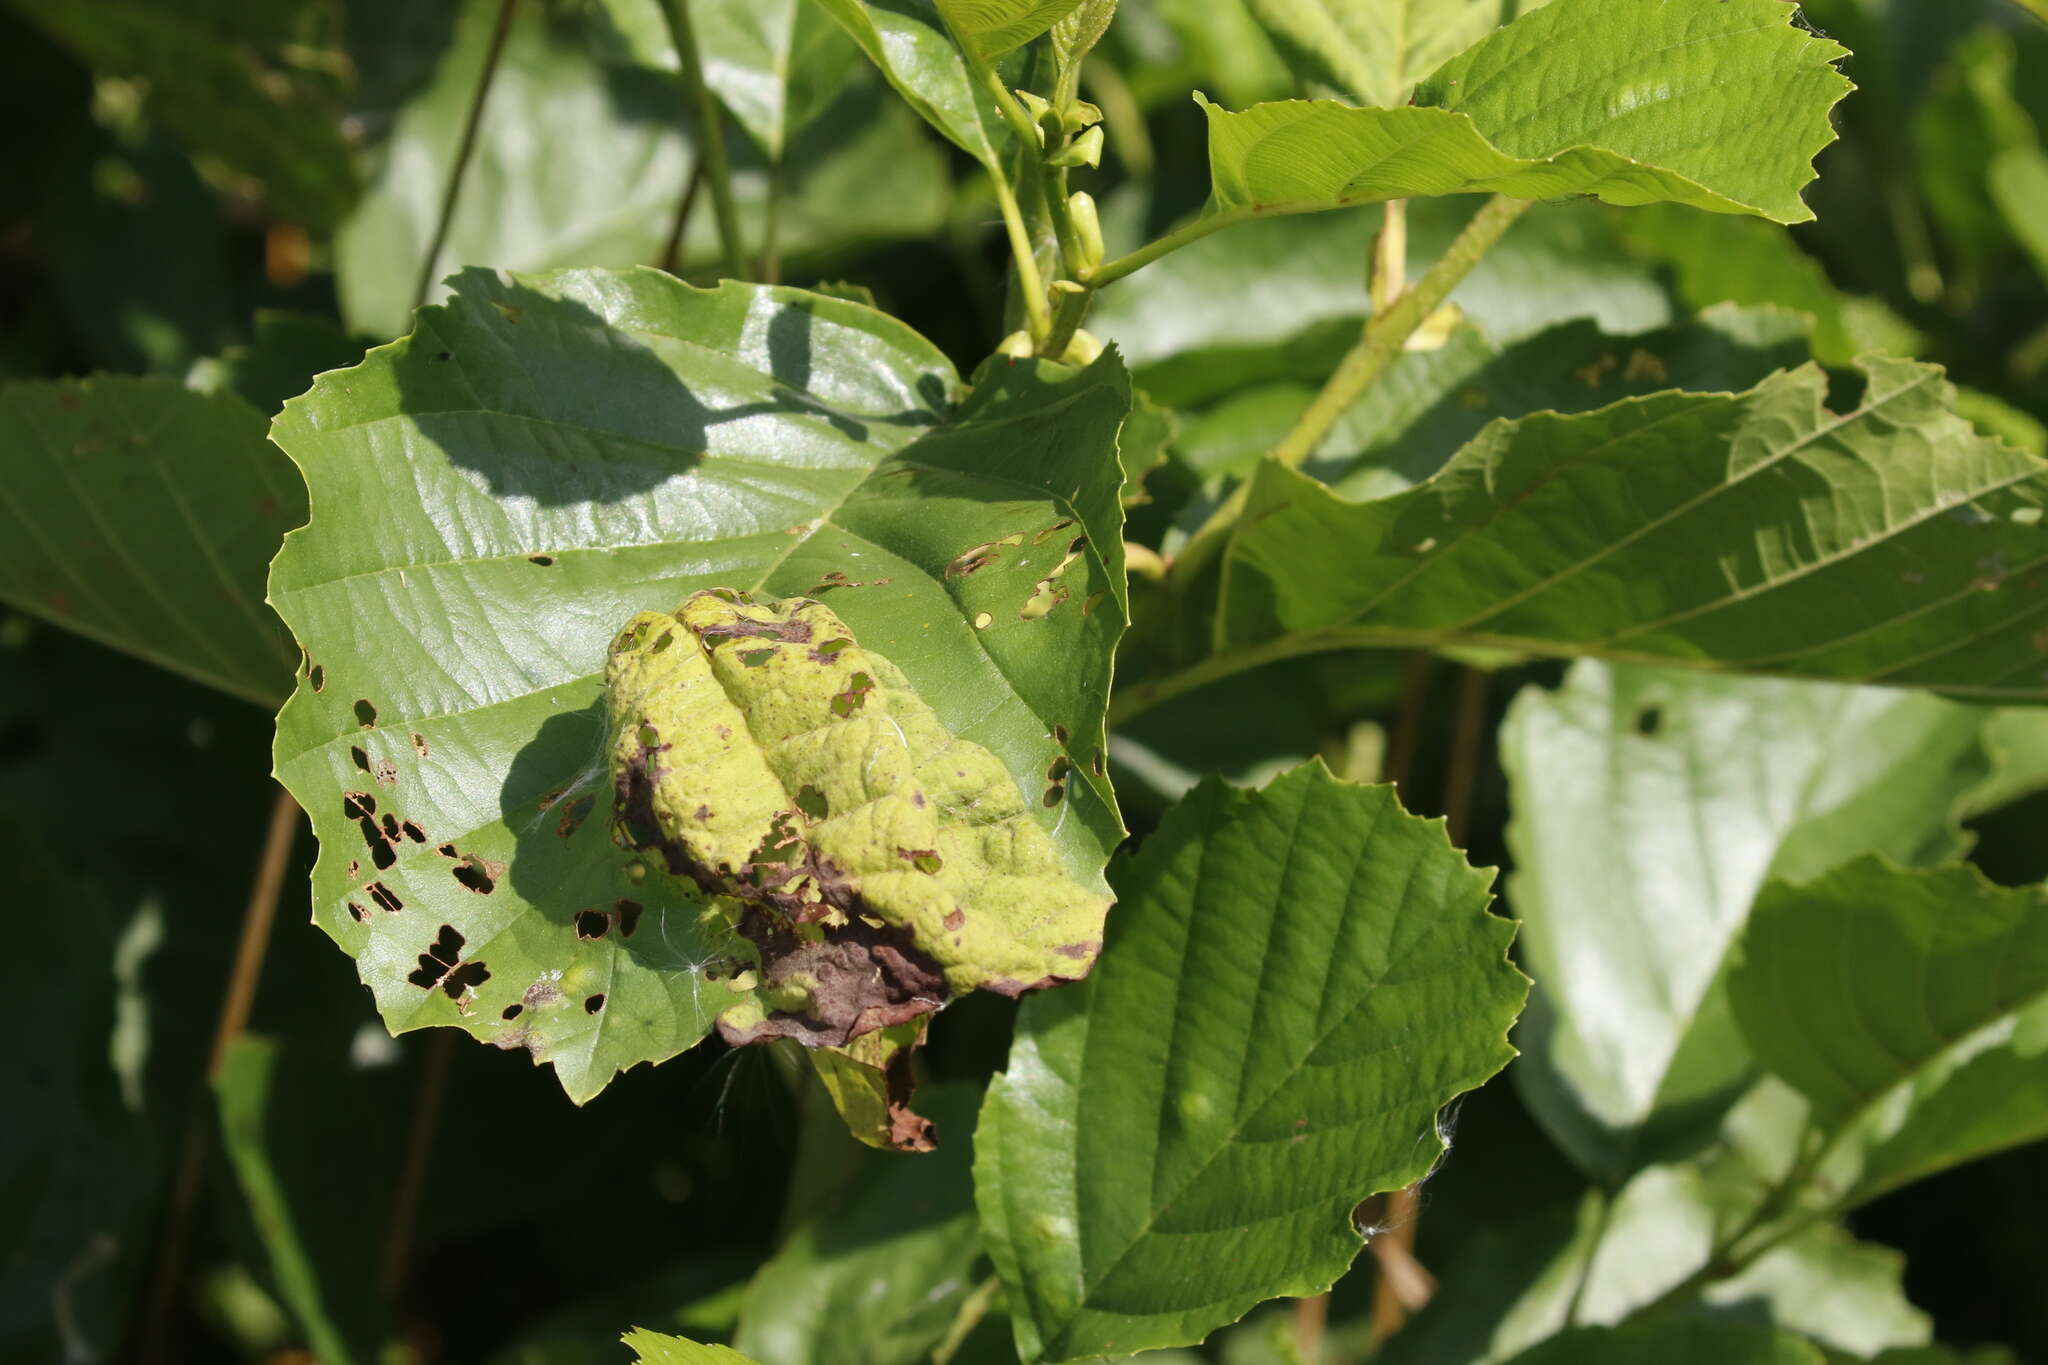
{"x": 867, "y": 863}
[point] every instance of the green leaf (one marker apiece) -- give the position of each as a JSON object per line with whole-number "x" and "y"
{"x": 244, "y": 1087}
{"x": 907, "y": 40}
{"x": 2019, "y": 186}
{"x": 775, "y": 63}
{"x": 143, "y": 515}
{"x": 1615, "y": 1254}
{"x": 1757, "y": 532}
{"x": 283, "y": 353}
{"x": 581, "y": 162}
{"x": 877, "y": 1278}
{"x": 1673, "y": 1343}
{"x": 1374, "y": 51}
{"x": 1749, "y": 261}
{"x": 255, "y": 83}
{"x": 866, "y": 863}
{"x": 1966, "y": 121}
{"x": 658, "y": 1348}
{"x": 1297, "y": 981}
{"x": 1718, "y": 106}
{"x": 79, "y": 1165}
{"x": 1429, "y": 404}
{"x": 544, "y": 457}
{"x": 1909, "y": 1007}
{"x": 994, "y": 27}
{"x": 1193, "y": 335}
{"x": 1650, "y": 807}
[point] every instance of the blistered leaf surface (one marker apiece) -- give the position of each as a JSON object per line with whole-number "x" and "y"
{"x": 866, "y": 863}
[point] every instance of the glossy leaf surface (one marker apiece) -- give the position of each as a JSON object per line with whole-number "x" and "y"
{"x": 497, "y": 495}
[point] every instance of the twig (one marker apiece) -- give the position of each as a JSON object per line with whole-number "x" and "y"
{"x": 671, "y": 252}
{"x": 710, "y": 135}
{"x": 1378, "y": 347}
{"x": 257, "y": 918}
{"x": 464, "y": 149}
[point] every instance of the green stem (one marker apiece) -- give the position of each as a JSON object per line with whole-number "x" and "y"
{"x": 1381, "y": 344}
{"x": 1070, "y": 309}
{"x": 465, "y": 147}
{"x": 710, "y": 136}
{"x": 1034, "y": 175}
{"x": 972, "y": 1310}
{"x": 771, "y": 227}
{"x": 1194, "y": 230}
{"x": 1029, "y": 283}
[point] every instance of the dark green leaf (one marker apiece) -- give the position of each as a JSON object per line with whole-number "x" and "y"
{"x": 1909, "y": 1007}
{"x": 877, "y": 1278}
{"x": 1297, "y": 980}
{"x": 1673, "y": 1343}
{"x": 1757, "y": 532}
{"x": 143, "y": 515}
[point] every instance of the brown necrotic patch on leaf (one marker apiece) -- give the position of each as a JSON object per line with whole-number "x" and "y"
{"x": 860, "y": 977}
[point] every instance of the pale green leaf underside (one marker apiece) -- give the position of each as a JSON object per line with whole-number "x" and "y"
{"x": 1373, "y": 51}
{"x": 496, "y": 495}
{"x": 998, "y": 26}
{"x": 1721, "y": 106}
{"x": 1917, "y": 997}
{"x": 907, "y": 40}
{"x": 775, "y": 64}
{"x": 581, "y": 162}
{"x": 1755, "y": 532}
{"x": 1650, "y": 806}
{"x": 1296, "y": 980}
{"x": 659, "y": 1348}
{"x": 143, "y": 515}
